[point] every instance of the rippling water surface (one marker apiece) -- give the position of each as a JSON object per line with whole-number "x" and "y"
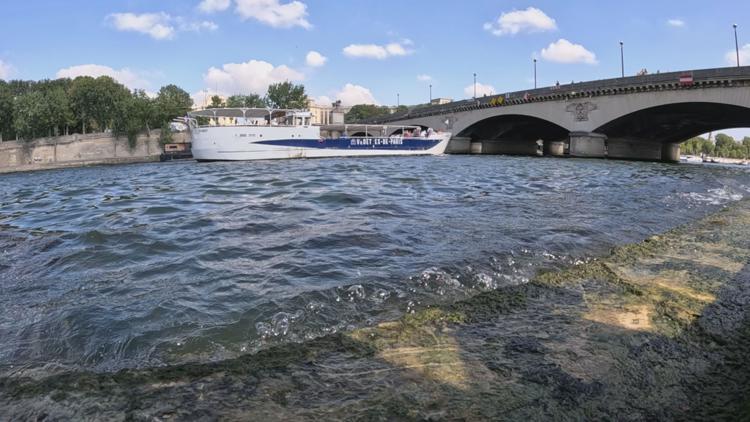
{"x": 130, "y": 266}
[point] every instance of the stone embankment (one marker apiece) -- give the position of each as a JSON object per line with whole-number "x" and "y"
{"x": 78, "y": 151}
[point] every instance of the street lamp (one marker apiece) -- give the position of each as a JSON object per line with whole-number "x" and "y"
{"x": 534, "y": 73}
{"x": 430, "y": 93}
{"x": 622, "y": 59}
{"x": 475, "y": 86}
{"x": 736, "y": 45}
{"x": 398, "y": 100}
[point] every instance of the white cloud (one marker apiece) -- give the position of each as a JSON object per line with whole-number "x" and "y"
{"x": 159, "y": 26}
{"x": 211, "y": 6}
{"x": 349, "y": 95}
{"x": 253, "y": 76}
{"x": 155, "y": 25}
{"x": 731, "y": 56}
{"x": 5, "y": 70}
{"x": 274, "y": 13}
{"x": 124, "y": 76}
{"x": 374, "y": 51}
{"x": 563, "y": 51}
{"x": 517, "y": 21}
{"x": 323, "y": 100}
{"x": 315, "y": 59}
{"x": 677, "y": 23}
{"x": 424, "y": 78}
{"x": 196, "y": 26}
{"x": 481, "y": 90}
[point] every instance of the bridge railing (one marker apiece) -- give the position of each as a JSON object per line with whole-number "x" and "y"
{"x": 716, "y": 75}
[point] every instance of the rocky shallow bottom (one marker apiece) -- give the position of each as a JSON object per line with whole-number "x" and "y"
{"x": 657, "y": 330}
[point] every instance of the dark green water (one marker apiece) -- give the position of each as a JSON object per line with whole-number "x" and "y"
{"x": 155, "y": 265}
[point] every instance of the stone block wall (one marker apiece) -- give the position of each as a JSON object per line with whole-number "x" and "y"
{"x": 79, "y": 150}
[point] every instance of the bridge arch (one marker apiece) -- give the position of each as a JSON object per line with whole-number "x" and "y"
{"x": 676, "y": 122}
{"x": 654, "y": 133}
{"x": 514, "y": 134}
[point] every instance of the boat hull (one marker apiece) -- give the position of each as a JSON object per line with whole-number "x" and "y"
{"x": 216, "y": 149}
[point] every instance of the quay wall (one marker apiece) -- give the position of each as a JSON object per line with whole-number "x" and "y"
{"x": 79, "y": 150}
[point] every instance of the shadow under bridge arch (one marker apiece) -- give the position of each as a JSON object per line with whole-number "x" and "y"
{"x": 514, "y": 134}
{"x": 655, "y": 132}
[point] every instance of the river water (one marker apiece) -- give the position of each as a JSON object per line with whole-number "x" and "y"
{"x": 106, "y": 268}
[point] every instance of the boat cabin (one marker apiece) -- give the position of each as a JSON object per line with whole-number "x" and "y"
{"x": 249, "y": 117}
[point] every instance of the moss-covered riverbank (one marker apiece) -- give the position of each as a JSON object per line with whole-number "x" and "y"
{"x": 658, "y": 330}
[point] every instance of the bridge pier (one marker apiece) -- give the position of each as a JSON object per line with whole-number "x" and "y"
{"x": 459, "y": 146}
{"x": 510, "y": 147}
{"x": 588, "y": 145}
{"x": 628, "y": 149}
{"x": 554, "y": 148}
{"x": 670, "y": 152}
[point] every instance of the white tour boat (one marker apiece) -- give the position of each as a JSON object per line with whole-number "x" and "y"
{"x": 260, "y": 134}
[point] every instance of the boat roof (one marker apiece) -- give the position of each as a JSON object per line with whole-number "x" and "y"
{"x": 363, "y": 127}
{"x": 246, "y": 112}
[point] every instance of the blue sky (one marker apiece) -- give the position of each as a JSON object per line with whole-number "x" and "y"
{"x": 372, "y": 49}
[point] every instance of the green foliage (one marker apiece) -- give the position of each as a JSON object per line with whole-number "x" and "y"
{"x": 286, "y": 95}
{"x": 134, "y": 114}
{"x": 165, "y": 137}
{"x": 366, "y": 111}
{"x": 97, "y": 101}
{"x": 6, "y": 112}
{"x": 725, "y": 146}
{"x": 52, "y": 107}
{"x": 246, "y": 101}
{"x": 216, "y": 102}
{"x": 723, "y": 142}
{"x": 172, "y": 102}
{"x": 28, "y": 115}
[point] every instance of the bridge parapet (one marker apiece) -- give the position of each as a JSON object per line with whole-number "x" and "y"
{"x": 692, "y": 79}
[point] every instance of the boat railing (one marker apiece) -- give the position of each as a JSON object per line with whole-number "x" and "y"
{"x": 249, "y": 117}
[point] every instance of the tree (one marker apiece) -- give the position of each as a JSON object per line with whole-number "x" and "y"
{"x": 287, "y": 95}
{"x": 724, "y": 142}
{"x": 6, "y": 112}
{"x": 83, "y": 99}
{"x": 29, "y": 115}
{"x": 216, "y": 102}
{"x": 59, "y": 115}
{"x": 110, "y": 94}
{"x": 135, "y": 113}
{"x": 365, "y": 111}
{"x": 96, "y": 100}
{"x": 172, "y": 102}
{"x": 246, "y": 101}
{"x": 165, "y": 137}
{"x": 145, "y": 111}
{"x": 707, "y": 147}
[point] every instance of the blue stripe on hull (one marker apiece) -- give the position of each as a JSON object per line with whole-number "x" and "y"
{"x": 409, "y": 144}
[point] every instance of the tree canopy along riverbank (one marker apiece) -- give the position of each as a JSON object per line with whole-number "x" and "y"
{"x": 284, "y": 95}
{"x": 46, "y": 108}
{"x": 723, "y": 146}
{"x": 30, "y": 109}
{"x": 658, "y": 330}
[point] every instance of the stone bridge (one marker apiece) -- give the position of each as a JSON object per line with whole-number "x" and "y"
{"x": 641, "y": 117}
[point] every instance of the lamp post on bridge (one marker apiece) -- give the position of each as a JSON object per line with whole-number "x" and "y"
{"x": 736, "y": 45}
{"x": 430, "y": 93}
{"x": 534, "y": 73}
{"x": 398, "y": 100}
{"x": 475, "y": 86}
{"x": 622, "y": 59}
